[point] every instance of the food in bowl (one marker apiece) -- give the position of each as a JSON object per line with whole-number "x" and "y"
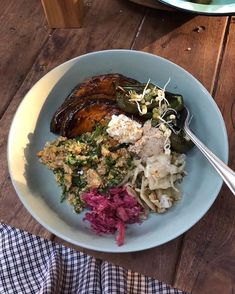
{"x": 120, "y": 151}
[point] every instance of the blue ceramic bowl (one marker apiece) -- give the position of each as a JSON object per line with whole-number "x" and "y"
{"x": 36, "y": 186}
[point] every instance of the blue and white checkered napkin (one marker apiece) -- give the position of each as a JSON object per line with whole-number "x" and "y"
{"x": 30, "y": 264}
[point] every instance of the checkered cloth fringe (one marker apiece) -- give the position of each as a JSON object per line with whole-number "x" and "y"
{"x": 30, "y": 264}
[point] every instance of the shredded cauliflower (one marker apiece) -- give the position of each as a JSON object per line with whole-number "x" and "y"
{"x": 158, "y": 174}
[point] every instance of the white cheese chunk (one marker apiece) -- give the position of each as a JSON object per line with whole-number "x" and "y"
{"x": 124, "y": 129}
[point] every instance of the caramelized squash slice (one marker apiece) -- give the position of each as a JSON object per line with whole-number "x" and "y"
{"x": 91, "y": 103}
{"x": 86, "y": 118}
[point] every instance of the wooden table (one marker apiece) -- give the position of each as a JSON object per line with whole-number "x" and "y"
{"x": 202, "y": 260}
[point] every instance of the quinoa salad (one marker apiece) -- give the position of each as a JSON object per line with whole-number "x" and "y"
{"x": 125, "y": 168}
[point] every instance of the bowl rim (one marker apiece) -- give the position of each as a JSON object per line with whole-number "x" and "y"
{"x": 115, "y": 249}
{"x": 198, "y": 8}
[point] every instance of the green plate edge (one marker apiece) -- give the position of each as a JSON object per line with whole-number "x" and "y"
{"x": 215, "y": 8}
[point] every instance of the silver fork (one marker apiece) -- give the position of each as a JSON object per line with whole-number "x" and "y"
{"x": 226, "y": 173}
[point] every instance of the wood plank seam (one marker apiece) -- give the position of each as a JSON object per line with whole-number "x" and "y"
{"x": 26, "y": 74}
{"x": 221, "y": 56}
{"x": 139, "y": 29}
{"x": 177, "y": 263}
{"x": 195, "y": 282}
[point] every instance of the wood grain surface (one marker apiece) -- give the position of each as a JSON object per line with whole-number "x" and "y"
{"x": 202, "y": 260}
{"x": 64, "y": 13}
{"x": 193, "y": 42}
{"x": 22, "y": 23}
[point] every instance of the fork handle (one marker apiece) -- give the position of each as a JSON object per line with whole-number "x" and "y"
{"x": 226, "y": 173}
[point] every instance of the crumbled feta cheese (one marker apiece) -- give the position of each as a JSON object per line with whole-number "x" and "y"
{"x": 124, "y": 129}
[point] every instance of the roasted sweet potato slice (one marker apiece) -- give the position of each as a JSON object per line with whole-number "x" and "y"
{"x": 86, "y": 119}
{"x": 91, "y": 102}
{"x": 67, "y": 110}
{"x": 104, "y": 84}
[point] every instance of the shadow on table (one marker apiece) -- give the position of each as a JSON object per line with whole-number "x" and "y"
{"x": 157, "y": 24}
{"x": 157, "y": 29}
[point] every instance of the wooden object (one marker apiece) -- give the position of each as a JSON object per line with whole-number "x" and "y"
{"x": 153, "y": 4}
{"x": 64, "y": 13}
{"x": 200, "y": 261}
